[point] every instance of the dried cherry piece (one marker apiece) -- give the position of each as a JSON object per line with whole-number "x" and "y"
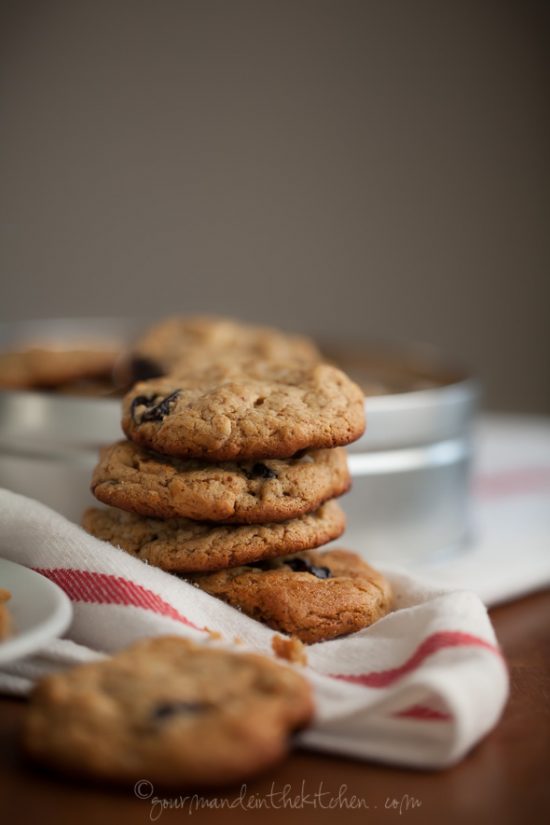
{"x": 299, "y": 565}
{"x": 156, "y": 410}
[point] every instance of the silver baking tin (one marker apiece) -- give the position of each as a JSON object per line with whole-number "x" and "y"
{"x": 410, "y": 498}
{"x": 411, "y": 470}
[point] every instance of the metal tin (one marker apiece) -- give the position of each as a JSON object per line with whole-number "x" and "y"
{"x": 410, "y": 495}
{"x": 410, "y": 499}
{"x": 49, "y": 442}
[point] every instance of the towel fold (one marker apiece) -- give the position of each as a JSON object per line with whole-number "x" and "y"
{"x": 418, "y": 688}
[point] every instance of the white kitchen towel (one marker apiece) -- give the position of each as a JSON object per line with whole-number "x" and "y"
{"x": 418, "y": 688}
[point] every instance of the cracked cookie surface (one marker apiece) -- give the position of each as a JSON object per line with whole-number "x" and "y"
{"x": 134, "y": 479}
{"x": 168, "y": 711}
{"x": 314, "y": 596}
{"x": 182, "y": 545}
{"x": 245, "y": 411}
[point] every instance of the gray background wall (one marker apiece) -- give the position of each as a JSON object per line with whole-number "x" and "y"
{"x": 357, "y": 169}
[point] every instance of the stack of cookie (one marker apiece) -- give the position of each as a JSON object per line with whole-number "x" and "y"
{"x": 231, "y": 469}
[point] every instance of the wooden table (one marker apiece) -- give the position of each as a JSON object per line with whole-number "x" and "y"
{"x": 506, "y": 779}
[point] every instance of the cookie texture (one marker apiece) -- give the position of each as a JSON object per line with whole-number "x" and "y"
{"x": 182, "y": 545}
{"x": 5, "y": 616}
{"x": 134, "y": 479}
{"x": 257, "y": 410}
{"x": 168, "y": 711}
{"x": 200, "y": 341}
{"x": 43, "y": 367}
{"x": 313, "y": 596}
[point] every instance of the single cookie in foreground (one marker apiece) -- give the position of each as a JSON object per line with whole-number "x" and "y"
{"x": 182, "y": 545}
{"x": 254, "y": 411}
{"x": 314, "y": 596}
{"x": 134, "y": 479}
{"x": 170, "y": 712}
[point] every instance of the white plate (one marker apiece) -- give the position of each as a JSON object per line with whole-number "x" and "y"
{"x": 40, "y": 610}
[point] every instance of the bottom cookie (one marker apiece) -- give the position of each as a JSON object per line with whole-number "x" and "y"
{"x": 314, "y": 596}
{"x": 170, "y": 712}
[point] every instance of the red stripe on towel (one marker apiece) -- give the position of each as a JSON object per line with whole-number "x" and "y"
{"x": 521, "y": 481}
{"x": 103, "y": 588}
{"x": 423, "y": 712}
{"x": 435, "y": 642}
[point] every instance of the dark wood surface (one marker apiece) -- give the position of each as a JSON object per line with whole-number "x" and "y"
{"x": 505, "y": 779}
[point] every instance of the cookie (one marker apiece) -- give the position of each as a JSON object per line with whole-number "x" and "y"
{"x": 133, "y": 479}
{"x": 101, "y": 387}
{"x": 314, "y": 596}
{"x": 170, "y": 712}
{"x": 254, "y": 411}
{"x": 183, "y": 342}
{"x": 45, "y": 368}
{"x": 5, "y": 617}
{"x": 182, "y": 545}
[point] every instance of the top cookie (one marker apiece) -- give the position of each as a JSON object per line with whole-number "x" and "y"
{"x": 169, "y": 712}
{"x": 252, "y": 410}
{"x": 200, "y": 341}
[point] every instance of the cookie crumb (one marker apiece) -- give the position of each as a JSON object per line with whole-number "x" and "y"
{"x": 290, "y": 649}
{"x": 5, "y": 618}
{"x": 213, "y": 635}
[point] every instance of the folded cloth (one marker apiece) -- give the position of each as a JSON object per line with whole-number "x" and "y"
{"x": 418, "y": 688}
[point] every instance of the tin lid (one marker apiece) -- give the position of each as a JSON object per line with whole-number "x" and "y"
{"x": 417, "y": 418}
{"x": 32, "y": 421}
{"x": 413, "y": 395}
